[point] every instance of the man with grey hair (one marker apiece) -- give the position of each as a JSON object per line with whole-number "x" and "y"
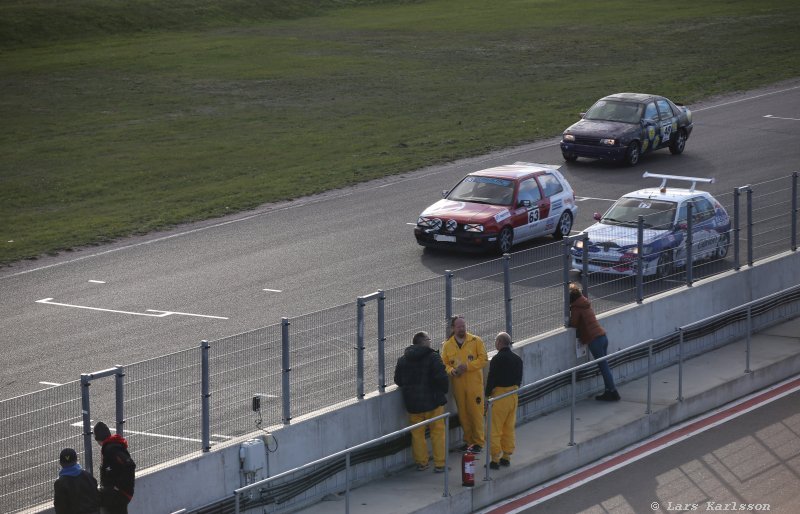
{"x": 505, "y": 374}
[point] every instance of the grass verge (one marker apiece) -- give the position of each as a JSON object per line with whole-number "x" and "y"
{"x": 123, "y": 118}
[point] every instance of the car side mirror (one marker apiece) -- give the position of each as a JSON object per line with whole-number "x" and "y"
{"x": 596, "y": 216}
{"x": 582, "y": 114}
{"x": 445, "y": 193}
{"x": 524, "y": 203}
{"x": 683, "y": 225}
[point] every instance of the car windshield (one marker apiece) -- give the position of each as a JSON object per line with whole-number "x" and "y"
{"x": 658, "y": 214}
{"x": 605, "y": 110}
{"x": 488, "y": 190}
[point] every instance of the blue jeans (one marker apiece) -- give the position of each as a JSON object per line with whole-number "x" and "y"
{"x": 599, "y": 348}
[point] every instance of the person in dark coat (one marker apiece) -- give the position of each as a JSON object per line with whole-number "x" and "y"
{"x": 589, "y": 331}
{"x": 75, "y": 489}
{"x": 505, "y": 375}
{"x": 117, "y": 471}
{"x": 424, "y": 383}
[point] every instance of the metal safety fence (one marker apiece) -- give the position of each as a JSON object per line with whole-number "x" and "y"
{"x": 180, "y": 404}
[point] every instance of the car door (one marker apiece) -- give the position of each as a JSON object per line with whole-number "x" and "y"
{"x": 528, "y": 211}
{"x": 704, "y": 237}
{"x": 551, "y": 206}
{"x": 650, "y": 126}
{"x": 667, "y": 122}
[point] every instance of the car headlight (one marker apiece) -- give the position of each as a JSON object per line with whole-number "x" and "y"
{"x": 609, "y": 142}
{"x": 473, "y": 227}
{"x": 579, "y": 244}
{"x": 569, "y": 137}
{"x": 423, "y": 222}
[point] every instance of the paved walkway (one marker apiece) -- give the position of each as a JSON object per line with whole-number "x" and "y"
{"x": 710, "y": 380}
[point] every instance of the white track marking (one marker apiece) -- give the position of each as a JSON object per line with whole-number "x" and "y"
{"x": 161, "y": 314}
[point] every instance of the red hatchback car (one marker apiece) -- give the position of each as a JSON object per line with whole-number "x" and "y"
{"x": 495, "y": 208}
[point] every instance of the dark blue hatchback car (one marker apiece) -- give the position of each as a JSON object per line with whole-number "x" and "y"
{"x": 623, "y": 126}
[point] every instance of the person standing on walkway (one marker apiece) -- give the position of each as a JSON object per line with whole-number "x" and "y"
{"x": 505, "y": 374}
{"x": 589, "y": 331}
{"x": 464, "y": 357}
{"x": 117, "y": 471}
{"x": 75, "y": 489}
{"x": 423, "y": 381}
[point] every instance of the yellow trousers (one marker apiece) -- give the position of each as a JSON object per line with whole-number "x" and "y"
{"x": 468, "y": 394}
{"x": 419, "y": 447}
{"x": 504, "y": 418}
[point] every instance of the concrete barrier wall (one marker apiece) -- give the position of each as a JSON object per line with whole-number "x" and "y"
{"x": 206, "y": 478}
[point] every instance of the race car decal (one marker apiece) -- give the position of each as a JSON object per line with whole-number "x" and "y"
{"x": 556, "y": 206}
{"x": 502, "y": 215}
{"x": 651, "y": 132}
{"x": 533, "y": 215}
{"x": 645, "y": 144}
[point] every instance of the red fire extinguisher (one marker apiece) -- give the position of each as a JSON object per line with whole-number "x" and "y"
{"x": 468, "y": 469}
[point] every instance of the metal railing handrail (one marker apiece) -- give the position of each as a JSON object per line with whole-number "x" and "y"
{"x": 346, "y": 453}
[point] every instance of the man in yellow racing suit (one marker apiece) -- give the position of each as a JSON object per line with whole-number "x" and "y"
{"x": 464, "y": 357}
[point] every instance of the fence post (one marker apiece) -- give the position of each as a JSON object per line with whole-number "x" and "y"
{"x": 119, "y": 395}
{"x": 749, "y": 227}
{"x": 286, "y": 393}
{"x": 507, "y": 292}
{"x": 347, "y": 482}
{"x": 736, "y": 228}
{"x": 205, "y": 396}
{"x": 639, "y": 259}
{"x": 565, "y": 258}
{"x": 649, "y": 377}
{"x": 571, "y": 415}
{"x": 446, "y": 492}
{"x": 585, "y": 266}
{"x": 680, "y": 364}
{"x": 448, "y": 300}
{"x": 360, "y": 347}
{"x": 794, "y": 211}
{"x": 87, "y": 422}
{"x": 488, "y": 439}
{"x": 381, "y": 342}
{"x": 689, "y": 265}
{"x": 749, "y": 330}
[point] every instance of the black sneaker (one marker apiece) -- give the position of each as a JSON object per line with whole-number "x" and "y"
{"x": 475, "y": 448}
{"x": 505, "y": 462}
{"x": 608, "y": 396}
{"x": 494, "y": 465}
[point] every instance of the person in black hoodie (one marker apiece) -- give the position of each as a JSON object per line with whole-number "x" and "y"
{"x": 75, "y": 490}
{"x": 423, "y": 381}
{"x": 117, "y": 471}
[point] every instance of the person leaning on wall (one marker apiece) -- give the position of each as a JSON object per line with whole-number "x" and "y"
{"x": 589, "y": 331}
{"x": 75, "y": 490}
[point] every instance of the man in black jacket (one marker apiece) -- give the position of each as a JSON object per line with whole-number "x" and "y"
{"x": 75, "y": 490}
{"x": 424, "y": 383}
{"x": 117, "y": 471}
{"x": 505, "y": 375}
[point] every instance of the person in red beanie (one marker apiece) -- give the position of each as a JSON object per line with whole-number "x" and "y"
{"x": 117, "y": 471}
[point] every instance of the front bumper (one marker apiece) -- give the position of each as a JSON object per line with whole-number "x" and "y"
{"x": 477, "y": 242}
{"x": 612, "y": 265}
{"x": 610, "y": 153}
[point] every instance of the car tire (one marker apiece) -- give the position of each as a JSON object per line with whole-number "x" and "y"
{"x": 723, "y": 245}
{"x": 569, "y": 157}
{"x": 678, "y": 143}
{"x": 664, "y": 268}
{"x": 633, "y": 153}
{"x": 564, "y": 226}
{"x": 505, "y": 240}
